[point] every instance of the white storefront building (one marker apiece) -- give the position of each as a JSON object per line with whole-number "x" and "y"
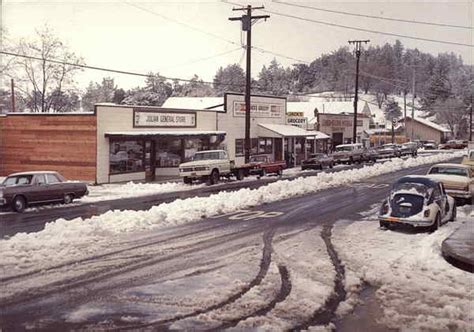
{"x": 145, "y": 143}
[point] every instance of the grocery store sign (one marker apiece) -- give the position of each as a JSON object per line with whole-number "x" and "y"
{"x": 258, "y": 110}
{"x": 160, "y": 119}
{"x": 298, "y": 121}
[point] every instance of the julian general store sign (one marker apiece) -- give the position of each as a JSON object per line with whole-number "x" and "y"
{"x": 150, "y": 119}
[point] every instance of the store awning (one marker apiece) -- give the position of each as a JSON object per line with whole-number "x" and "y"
{"x": 279, "y": 130}
{"x": 164, "y": 133}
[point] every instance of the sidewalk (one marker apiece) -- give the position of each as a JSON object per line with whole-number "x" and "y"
{"x": 458, "y": 248}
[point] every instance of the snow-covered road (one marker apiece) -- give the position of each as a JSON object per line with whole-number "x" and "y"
{"x": 261, "y": 258}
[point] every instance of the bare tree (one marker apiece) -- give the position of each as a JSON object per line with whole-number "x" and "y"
{"x": 454, "y": 113}
{"x": 41, "y": 80}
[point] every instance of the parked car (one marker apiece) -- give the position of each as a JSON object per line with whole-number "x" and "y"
{"x": 210, "y": 166}
{"x": 430, "y": 145}
{"x": 469, "y": 159}
{"x": 348, "y": 153}
{"x": 417, "y": 201}
{"x": 458, "y": 180}
{"x": 453, "y": 144}
{"x": 370, "y": 155}
{"x": 21, "y": 190}
{"x": 389, "y": 151}
{"x": 410, "y": 148}
{"x": 263, "y": 164}
{"x": 317, "y": 161}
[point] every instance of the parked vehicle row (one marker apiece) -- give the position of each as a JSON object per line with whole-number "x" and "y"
{"x": 428, "y": 201}
{"x": 21, "y": 190}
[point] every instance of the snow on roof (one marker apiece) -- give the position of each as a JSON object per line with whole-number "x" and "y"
{"x": 287, "y": 130}
{"x": 317, "y": 135}
{"x": 431, "y": 124}
{"x": 331, "y": 107}
{"x": 195, "y": 103}
{"x": 164, "y": 133}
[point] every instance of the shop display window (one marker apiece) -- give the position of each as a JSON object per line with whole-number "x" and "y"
{"x": 193, "y": 145}
{"x": 126, "y": 156}
{"x": 168, "y": 152}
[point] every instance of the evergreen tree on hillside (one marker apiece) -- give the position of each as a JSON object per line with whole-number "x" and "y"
{"x": 230, "y": 78}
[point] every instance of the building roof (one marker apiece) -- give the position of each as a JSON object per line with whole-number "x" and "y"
{"x": 287, "y": 130}
{"x": 331, "y": 107}
{"x": 195, "y": 103}
{"x": 431, "y": 124}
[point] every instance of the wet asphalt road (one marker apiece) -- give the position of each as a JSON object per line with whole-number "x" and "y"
{"x": 155, "y": 257}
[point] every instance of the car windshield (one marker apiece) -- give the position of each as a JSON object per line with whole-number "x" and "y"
{"x": 449, "y": 171}
{"x": 17, "y": 180}
{"x": 206, "y": 155}
{"x": 389, "y": 146}
{"x": 258, "y": 159}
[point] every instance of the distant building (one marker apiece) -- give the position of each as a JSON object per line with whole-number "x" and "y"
{"x": 425, "y": 130}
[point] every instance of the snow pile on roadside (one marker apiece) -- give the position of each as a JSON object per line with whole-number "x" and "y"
{"x": 417, "y": 288}
{"x": 131, "y": 189}
{"x": 64, "y": 240}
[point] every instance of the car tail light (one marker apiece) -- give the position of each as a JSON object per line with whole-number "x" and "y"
{"x": 427, "y": 213}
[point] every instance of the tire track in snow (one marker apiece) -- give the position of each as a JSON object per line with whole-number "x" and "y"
{"x": 263, "y": 270}
{"x": 326, "y": 313}
{"x": 285, "y": 290}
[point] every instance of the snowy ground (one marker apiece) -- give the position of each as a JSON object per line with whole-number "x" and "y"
{"x": 65, "y": 240}
{"x": 415, "y": 287}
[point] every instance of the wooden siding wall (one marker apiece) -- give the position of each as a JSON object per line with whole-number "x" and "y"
{"x": 63, "y": 143}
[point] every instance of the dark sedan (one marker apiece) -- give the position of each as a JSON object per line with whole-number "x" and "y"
{"x": 21, "y": 190}
{"x": 317, "y": 161}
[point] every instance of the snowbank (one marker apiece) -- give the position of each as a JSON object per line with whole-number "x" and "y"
{"x": 417, "y": 288}
{"x": 65, "y": 240}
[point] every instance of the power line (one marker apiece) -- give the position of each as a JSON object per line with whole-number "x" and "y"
{"x": 203, "y": 59}
{"x": 374, "y": 17}
{"x": 111, "y": 70}
{"x": 260, "y": 49}
{"x": 366, "y": 30}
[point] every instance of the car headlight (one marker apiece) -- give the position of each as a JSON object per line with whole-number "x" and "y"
{"x": 207, "y": 168}
{"x": 426, "y": 214}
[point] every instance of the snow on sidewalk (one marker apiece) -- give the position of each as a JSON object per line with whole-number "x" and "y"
{"x": 66, "y": 240}
{"x": 416, "y": 287}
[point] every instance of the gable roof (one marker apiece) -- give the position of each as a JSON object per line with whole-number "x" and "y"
{"x": 431, "y": 124}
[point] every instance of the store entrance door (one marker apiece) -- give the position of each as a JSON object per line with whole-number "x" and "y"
{"x": 277, "y": 143}
{"x": 150, "y": 160}
{"x": 337, "y": 139}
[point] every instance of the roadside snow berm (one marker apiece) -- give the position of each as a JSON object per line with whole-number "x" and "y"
{"x": 458, "y": 248}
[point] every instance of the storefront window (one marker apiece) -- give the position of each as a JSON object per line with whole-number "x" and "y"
{"x": 126, "y": 156}
{"x": 193, "y": 145}
{"x": 168, "y": 152}
{"x": 265, "y": 146}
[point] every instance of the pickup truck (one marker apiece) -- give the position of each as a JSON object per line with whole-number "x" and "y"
{"x": 263, "y": 164}
{"x": 348, "y": 153}
{"x": 210, "y": 166}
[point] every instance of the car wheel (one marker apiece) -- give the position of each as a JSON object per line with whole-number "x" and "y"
{"x": 19, "y": 204}
{"x": 331, "y": 165}
{"x": 280, "y": 172}
{"x": 68, "y": 198}
{"x": 187, "y": 180}
{"x": 453, "y": 213}
{"x": 436, "y": 224}
{"x": 385, "y": 224}
{"x": 214, "y": 178}
{"x": 351, "y": 161}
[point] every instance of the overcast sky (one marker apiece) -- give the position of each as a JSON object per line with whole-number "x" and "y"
{"x": 119, "y": 35}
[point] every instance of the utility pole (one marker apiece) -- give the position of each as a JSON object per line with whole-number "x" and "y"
{"x": 356, "y": 97}
{"x": 13, "y": 95}
{"x": 247, "y": 20}
{"x": 470, "y": 122}
{"x": 412, "y": 137}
